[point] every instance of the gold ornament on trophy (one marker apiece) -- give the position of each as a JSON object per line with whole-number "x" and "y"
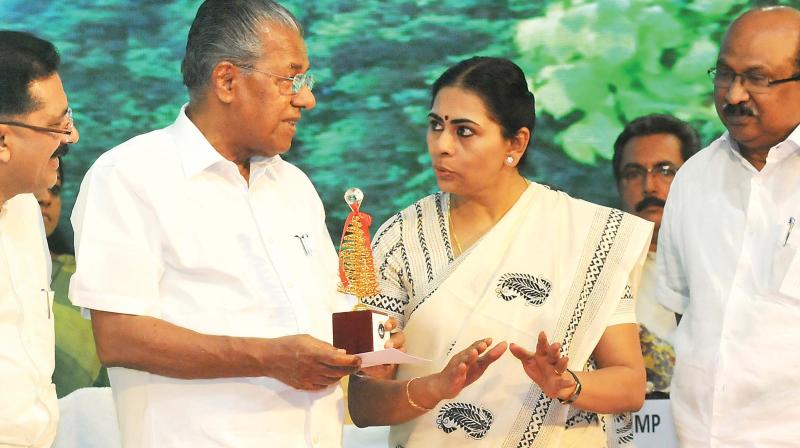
{"x": 356, "y": 266}
{"x": 360, "y": 330}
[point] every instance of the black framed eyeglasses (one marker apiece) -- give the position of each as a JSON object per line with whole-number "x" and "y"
{"x": 66, "y": 131}
{"x": 297, "y": 81}
{"x": 752, "y": 82}
{"x": 636, "y": 173}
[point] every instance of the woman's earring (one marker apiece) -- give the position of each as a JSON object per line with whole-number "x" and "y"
{"x": 510, "y": 161}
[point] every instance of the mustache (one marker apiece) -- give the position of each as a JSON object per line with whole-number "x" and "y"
{"x": 647, "y": 202}
{"x": 61, "y": 151}
{"x": 740, "y": 109}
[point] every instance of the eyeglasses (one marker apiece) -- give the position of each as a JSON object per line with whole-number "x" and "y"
{"x": 297, "y": 81}
{"x": 752, "y": 82}
{"x": 66, "y": 131}
{"x": 636, "y": 173}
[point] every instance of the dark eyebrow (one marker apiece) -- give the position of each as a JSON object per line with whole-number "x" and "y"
{"x": 296, "y": 67}
{"x": 757, "y": 67}
{"x": 453, "y": 121}
{"x": 57, "y": 120}
{"x": 664, "y": 162}
{"x": 659, "y": 163}
{"x": 463, "y": 120}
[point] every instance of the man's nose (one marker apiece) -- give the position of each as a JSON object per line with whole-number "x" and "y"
{"x": 73, "y": 137}
{"x": 304, "y": 99}
{"x": 736, "y": 92}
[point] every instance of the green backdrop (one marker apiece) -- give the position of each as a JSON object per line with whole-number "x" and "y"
{"x": 592, "y": 66}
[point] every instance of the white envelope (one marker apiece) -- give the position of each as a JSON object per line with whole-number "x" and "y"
{"x": 388, "y": 356}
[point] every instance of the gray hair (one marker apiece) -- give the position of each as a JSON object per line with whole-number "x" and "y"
{"x": 228, "y": 30}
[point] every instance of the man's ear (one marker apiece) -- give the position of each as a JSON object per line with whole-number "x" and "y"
{"x": 223, "y": 79}
{"x": 5, "y": 151}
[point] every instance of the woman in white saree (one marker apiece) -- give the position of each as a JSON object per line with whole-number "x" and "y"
{"x": 496, "y": 256}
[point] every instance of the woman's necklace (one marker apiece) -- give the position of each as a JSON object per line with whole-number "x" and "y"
{"x": 453, "y": 230}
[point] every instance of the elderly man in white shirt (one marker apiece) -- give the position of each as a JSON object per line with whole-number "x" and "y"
{"x": 728, "y": 248}
{"x": 35, "y": 126}
{"x": 205, "y": 259}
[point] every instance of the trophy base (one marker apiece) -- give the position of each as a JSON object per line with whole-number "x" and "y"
{"x": 359, "y": 331}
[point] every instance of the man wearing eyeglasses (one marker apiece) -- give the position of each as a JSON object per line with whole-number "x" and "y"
{"x": 35, "y": 121}
{"x": 205, "y": 259}
{"x": 728, "y": 252}
{"x": 647, "y": 154}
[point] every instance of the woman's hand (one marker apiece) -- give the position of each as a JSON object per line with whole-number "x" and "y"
{"x": 464, "y": 368}
{"x": 546, "y": 367}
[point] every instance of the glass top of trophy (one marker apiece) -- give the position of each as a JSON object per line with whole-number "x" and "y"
{"x": 360, "y": 330}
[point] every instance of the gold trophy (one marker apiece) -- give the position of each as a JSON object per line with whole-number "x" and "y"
{"x": 360, "y": 330}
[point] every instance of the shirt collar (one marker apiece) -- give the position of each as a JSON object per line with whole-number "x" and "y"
{"x": 197, "y": 154}
{"x": 260, "y": 166}
{"x": 776, "y": 153}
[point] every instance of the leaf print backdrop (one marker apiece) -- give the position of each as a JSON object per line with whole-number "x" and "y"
{"x": 592, "y": 65}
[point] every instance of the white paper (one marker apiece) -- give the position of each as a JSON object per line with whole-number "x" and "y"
{"x": 388, "y": 356}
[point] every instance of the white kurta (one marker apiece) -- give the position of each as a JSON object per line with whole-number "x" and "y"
{"x": 723, "y": 262}
{"x": 166, "y": 227}
{"x": 28, "y": 403}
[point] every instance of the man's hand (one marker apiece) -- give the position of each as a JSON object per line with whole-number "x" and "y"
{"x": 306, "y": 363}
{"x": 545, "y": 366}
{"x": 396, "y": 340}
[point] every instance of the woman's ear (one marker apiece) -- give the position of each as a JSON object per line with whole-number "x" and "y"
{"x": 519, "y": 143}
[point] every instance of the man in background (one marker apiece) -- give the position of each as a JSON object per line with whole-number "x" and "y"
{"x": 205, "y": 259}
{"x": 35, "y": 121}
{"x": 77, "y": 365}
{"x": 647, "y": 154}
{"x": 728, "y": 248}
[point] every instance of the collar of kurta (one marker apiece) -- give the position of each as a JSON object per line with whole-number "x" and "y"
{"x": 198, "y": 155}
{"x": 777, "y": 153}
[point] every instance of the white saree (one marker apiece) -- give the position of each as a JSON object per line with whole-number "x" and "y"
{"x": 552, "y": 263}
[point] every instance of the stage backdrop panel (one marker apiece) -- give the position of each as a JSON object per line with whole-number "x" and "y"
{"x": 592, "y": 65}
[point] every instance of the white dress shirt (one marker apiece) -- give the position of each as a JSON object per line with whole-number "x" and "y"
{"x": 28, "y": 403}
{"x": 166, "y": 227}
{"x": 724, "y": 265}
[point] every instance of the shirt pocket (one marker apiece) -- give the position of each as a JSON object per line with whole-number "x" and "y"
{"x": 786, "y": 273}
{"x": 38, "y": 331}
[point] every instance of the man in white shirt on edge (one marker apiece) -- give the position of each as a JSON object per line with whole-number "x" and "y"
{"x": 205, "y": 259}
{"x": 647, "y": 154}
{"x": 728, "y": 248}
{"x": 35, "y": 126}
